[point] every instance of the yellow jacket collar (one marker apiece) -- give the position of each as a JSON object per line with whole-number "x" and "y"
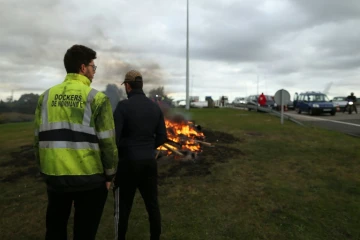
{"x": 77, "y": 77}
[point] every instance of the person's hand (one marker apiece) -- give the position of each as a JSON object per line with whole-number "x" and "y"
{"x": 108, "y": 185}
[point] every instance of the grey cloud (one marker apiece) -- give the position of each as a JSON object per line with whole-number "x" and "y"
{"x": 285, "y": 69}
{"x": 323, "y": 11}
{"x": 36, "y": 34}
{"x": 341, "y": 40}
{"x": 338, "y": 64}
{"x": 38, "y": 37}
{"x": 240, "y": 32}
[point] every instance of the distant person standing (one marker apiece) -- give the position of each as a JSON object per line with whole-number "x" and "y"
{"x": 223, "y": 101}
{"x": 75, "y": 148}
{"x": 140, "y": 129}
{"x": 262, "y": 99}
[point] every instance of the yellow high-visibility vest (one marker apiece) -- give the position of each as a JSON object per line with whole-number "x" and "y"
{"x": 74, "y": 130}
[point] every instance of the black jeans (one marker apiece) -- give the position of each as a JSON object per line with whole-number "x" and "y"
{"x": 132, "y": 175}
{"x": 88, "y": 206}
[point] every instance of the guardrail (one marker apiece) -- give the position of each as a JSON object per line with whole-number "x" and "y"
{"x": 268, "y": 110}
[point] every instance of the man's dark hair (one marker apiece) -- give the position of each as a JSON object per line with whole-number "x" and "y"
{"x": 76, "y": 56}
{"x": 137, "y": 84}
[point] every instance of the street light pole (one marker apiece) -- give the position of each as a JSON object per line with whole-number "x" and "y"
{"x": 187, "y": 57}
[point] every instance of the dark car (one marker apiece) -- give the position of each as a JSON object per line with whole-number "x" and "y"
{"x": 252, "y": 102}
{"x": 290, "y": 105}
{"x": 314, "y": 103}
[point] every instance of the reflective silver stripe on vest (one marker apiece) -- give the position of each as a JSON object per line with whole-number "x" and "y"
{"x": 71, "y": 145}
{"x": 67, "y": 125}
{"x": 106, "y": 134}
{"x": 87, "y": 112}
{"x": 44, "y": 109}
{"x": 110, "y": 171}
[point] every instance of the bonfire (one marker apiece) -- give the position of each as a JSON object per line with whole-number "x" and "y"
{"x": 184, "y": 140}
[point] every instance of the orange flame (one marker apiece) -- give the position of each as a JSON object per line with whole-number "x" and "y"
{"x": 183, "y": 133}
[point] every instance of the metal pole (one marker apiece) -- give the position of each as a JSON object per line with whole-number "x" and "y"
{"x": 187, "y": 57}
{"x": 282, "y": 106}
{"x": 257, "y": 92}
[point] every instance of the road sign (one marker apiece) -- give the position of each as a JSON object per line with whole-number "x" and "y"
{"x": 281, "y": 94}
{"x": 281, "y": 97}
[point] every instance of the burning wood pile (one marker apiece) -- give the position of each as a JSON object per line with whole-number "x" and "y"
{"x": 185, "y": 140}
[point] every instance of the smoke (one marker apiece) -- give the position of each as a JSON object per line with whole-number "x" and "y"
{"x": 114, "y": 94}
{"x": 114, "y": 71}
{"x": 178, "y": 116}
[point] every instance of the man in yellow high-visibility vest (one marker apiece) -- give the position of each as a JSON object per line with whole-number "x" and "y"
{"x": 75, "y": 147}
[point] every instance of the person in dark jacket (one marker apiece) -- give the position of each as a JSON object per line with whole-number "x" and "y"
{"x": 140, "y": 129}
{"x": 352, "y": 98}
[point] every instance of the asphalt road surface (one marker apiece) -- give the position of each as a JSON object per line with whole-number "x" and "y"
{"x": 342, "y": 122}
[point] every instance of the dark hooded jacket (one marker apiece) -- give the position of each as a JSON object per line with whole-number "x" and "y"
{"x": 140, "y": 127}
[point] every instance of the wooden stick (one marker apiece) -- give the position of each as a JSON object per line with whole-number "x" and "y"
{"x": 169, "y": 147}
{"x": 189, "y": 139}
{"x": 204, "y": 143}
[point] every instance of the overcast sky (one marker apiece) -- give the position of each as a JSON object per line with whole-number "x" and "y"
{"x": 298, "y": 45}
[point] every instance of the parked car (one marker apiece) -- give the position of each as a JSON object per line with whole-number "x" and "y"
{"x": 290, "y": 105}
{"x": 339, "y": 102}
{"x": 239, "y": 102}
{"x": 314, "y": 103}
{"x": 180, "y": 103}
{"x": 199, "y": 104}
{"x": 252, "y": 100}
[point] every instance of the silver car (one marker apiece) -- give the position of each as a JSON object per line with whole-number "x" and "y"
{"x": 339, "y": 102}
{"x": 239, "y": 101}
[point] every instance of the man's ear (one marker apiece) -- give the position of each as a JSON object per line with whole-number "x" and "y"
{"x": 82, "y": 68}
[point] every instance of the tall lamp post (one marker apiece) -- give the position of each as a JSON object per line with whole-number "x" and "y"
{"x": 187, "y": 57}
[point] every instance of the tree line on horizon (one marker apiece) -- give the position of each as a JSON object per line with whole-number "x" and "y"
{"x": 27, "y": 102}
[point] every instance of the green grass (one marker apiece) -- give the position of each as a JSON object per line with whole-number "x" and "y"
{"x": 14, "y": 135}
{"x": 291, "y": 182}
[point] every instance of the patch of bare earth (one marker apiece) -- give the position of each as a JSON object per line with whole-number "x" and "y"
{"x": 22, "y": 164}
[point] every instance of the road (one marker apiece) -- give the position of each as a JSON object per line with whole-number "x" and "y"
{"x": 342, "y": 122}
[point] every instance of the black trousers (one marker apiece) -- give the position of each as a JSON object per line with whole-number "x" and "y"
{"x": 88, "y": 206}
{"x": 134, "y": 175}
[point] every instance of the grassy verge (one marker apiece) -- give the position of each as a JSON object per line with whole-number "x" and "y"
{"x": 270, "y": 181}
{"x": 15, "y": 117}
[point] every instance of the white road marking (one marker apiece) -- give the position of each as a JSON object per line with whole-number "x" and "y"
{"x": 321, "y": 119}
